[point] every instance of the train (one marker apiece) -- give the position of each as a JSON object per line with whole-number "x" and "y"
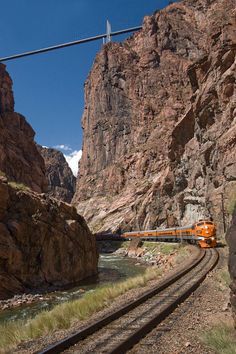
{"x": 202, "y": 233}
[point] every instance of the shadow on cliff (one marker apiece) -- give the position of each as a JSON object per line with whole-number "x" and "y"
{"x": 109, "y": 246}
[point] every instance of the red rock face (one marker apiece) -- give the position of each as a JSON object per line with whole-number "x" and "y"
{"x": 61, "y": 181}
{"x": 44, "y": 242}
{"x": 231, "y": 240}
{"x": 203, "y": 144}
{"x": 6, "y": 94}
{"x": 19, "y": 157}
{"x": 159, "y": 129}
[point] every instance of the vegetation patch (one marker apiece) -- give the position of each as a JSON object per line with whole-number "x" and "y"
{"x": 166, "y": 249}
{"x": 163, "y": 247}
{"x": 62, "y": 316}
{"x": 19, "y": 186}
{"x": 15, "y": 185}
{"x": 2, "y": 174}
{"x": 231, "y": 206}
{"x": 223, "y": 278}
{"x": 221, "y": 338}
{"x": 156, "y": 253}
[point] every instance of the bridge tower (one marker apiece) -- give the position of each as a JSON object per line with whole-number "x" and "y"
{"x": 107, "y": 39}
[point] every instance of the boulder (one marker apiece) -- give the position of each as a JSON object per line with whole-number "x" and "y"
{"x": 44, "y": 242}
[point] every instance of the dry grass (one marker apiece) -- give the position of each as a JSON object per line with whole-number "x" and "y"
{"x": 231, "y": 205}
{"x": 183, "y": 253}
{"x": 221, "y": 338}
{"x": 19, "y": 186}
{"x": 62, "y": 316}
{"x": 163, "y": 247}
{"x": 223, "y": 278}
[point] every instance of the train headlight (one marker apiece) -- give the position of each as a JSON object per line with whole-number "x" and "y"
{"x": 212, "y": 238}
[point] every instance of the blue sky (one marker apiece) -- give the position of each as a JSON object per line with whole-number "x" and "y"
{"x": 48, "y": 88}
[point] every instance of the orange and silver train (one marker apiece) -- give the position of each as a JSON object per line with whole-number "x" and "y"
{"x": 202, "y": 233}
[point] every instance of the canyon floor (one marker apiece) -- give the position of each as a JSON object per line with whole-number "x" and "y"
{"x": 207, "y": 307}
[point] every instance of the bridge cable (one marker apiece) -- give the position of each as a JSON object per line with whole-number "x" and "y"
{"x": 68, "y": 44}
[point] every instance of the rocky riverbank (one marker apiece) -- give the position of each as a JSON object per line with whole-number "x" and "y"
{"x": 40, "y": 343}
{"x": 23, "y": 299}
{"x": 149, "y": 253}
{"x": 163, "y": 255}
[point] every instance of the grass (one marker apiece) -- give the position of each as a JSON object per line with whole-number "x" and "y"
{"x": 164, "y": 248}
{"x": 19, "y": 186}
{"x": 64, "y": 315}
{"x": 231, "y": 206}
{"x": 224, "y": 278}
{"x": 167, "y": 248}
{"x": 15, "y": 185}
{"x": 221, "y": 338}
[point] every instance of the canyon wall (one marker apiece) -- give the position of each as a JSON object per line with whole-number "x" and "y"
{"x": 231, "y": 239}
{"x": 19, "y": 157}
{"x": 159, "y": 122}
{"x": 44, "y": 242}
{"x": 61, "y": 181}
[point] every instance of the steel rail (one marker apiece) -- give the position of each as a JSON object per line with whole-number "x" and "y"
{"x": 68, "y": 44}
{"x": 133, "y": 339}
{"x": 89, "y": 330}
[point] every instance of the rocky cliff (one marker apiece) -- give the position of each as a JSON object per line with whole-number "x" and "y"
{"x": 231, "y": 239}
{"x": 44, "y": 242}
{"x": 61, "y": 181}
{"x": 19, "y": 157}
{"x": 159, "y": 121}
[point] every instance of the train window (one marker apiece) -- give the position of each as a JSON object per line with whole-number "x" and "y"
{"x": 209, "y": 223}
{"x": 200, "y": 224}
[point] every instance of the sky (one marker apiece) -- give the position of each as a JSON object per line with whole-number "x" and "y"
{"x": 48, "y": 88}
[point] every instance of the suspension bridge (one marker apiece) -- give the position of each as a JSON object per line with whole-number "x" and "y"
{"x": 106, "y": 38}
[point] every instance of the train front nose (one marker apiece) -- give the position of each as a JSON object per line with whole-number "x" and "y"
{"x": 208, "y": 232}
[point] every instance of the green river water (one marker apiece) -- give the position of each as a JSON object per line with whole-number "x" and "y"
{"x": 112, "y": 268}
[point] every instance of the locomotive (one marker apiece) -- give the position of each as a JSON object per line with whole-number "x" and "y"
{"x": 202, "y": 233}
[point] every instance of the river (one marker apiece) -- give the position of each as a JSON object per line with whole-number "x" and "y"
{"x": 111, "y": 268}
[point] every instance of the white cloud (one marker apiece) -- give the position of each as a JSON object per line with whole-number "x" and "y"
{"x": 63, "y": 147}
{"x": 73, "y": 159}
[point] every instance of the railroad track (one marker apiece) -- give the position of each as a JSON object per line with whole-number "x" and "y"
{"x": 118, "y": 332}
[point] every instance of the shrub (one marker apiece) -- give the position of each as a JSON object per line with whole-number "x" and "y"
{"x": 19, "y": 186}
{"x": 231, "y": 205}
{"x": 221, "y": 338}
